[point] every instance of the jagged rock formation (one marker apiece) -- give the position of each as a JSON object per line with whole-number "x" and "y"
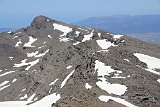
{"x": 52, "y": 64}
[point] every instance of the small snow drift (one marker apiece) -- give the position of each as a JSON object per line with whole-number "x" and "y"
{"x": 104, "y": 44}
{"x": 31, "y": 40}
{"x": 88, "y": 37}
{"x": 65, "y": 80}
{"x": 88, "y": 86}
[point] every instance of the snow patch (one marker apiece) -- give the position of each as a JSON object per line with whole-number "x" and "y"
{"x": 18, "y": 43}
{"x": 6, "y": 73}
{"x": 158, "y": 80}
{"x": 42, "y": 46}
{"x": 2, "y": 88}
{"x": 4, "y": 83}
{"x": 77, "y": 33}
{"x": 9, "y": 32}
{"x": 103, "y": 70}
{"x": 88, "y": 37}
{"x": 23, "y": 89}
{"x": 31, "y": 98}
{"x": 104, "y": 44}
{"x": 15, "y": 37}
{"x": 120, "y": 77}
{"x": 49, "y": 36}
{"x": 52, "y": 83}
{"x": 68, "y": 67}
{"x": 29, "y": 64}
{"x": 99, "y": 34}
{"x": 65, "y": 80}
{"x": 42, "y": 54}
{"x": 116, "y": 89}
{"x": 14, "y": 80}
{"x": 123, "y": 41}
{"x": 119, "y": 100}
{"x": 153, "y": 71}
{"x": 128, "y": 76}
{"x": 152, "y": 62}
{"x": 24, "y": 97}
{"x": 31, "y": 40}
{"x": 44, "y": 102}
{"x": 17, "y": 33}
{"x": 126, "y": 60}
{"x": 117, "y": 36}
{"x": 76, "y": 43}
{"x": 88, "y": 86}
{"x": 83, "y": 29}
{"x": 11, "y": 58}
{"x": 32, "y": 54}
{"x": 63, "y": 39}
{"x": 64, "y": 29}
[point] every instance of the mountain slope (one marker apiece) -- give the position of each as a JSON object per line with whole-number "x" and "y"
{"x": 54, "y": 64}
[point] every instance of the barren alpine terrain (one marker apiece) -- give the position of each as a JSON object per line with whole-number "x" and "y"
{"x": 53, "y": 64}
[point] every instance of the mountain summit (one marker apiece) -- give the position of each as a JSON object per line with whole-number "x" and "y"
{"x": 53, "y": 64}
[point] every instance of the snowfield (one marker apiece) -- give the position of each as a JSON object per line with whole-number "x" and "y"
{"x": 104, "y": 44}
{"x": 152, "y": 62}
{"x": 118, "y": 100}
{"x": 64, "y": 29}
{"x": 44, "y": 102}
{"x": 103, "y": 70}
{"x": 116, "y": 89}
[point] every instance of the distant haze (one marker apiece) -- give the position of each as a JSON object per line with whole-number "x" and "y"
{"x": 124, "y": 24}
{"x": 19, "y": 13}
{"x": 144, "y": 27}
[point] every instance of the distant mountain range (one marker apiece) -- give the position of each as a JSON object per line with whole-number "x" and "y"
{"x": 6, "y": 29}
{"x": 126, "y": 24}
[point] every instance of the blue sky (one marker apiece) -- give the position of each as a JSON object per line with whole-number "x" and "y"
{"x": 20, "y": 13}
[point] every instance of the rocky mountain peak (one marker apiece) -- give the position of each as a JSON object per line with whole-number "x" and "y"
{"x": 40, "y": 19}
{"x": 53, "y": 64}
{"x": 40, "y": 22}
